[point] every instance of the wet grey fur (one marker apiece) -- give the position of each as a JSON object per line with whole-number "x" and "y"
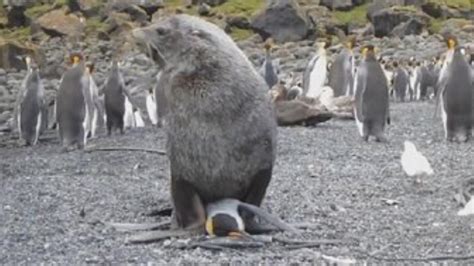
{"x": 221, "y": 126}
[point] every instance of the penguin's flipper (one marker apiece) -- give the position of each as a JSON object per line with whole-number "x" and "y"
{"x": 273, "y": 220}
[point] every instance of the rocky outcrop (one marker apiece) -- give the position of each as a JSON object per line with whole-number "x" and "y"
{"x": 57, "y": 23}
{"x": 411, "y": 27}
{"x": 386, "y": 20}
{"x": 338, "y": 4}
{"x": 282, "y": 20}
{"x": 136, "y": 12}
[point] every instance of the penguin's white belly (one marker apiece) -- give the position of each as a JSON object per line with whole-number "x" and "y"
{"x": 95, "y": 120}
{"x": 138, "y": 119}
{"x": 128, "y": 119}
{"x": 317, "y": 78}
{"x": 38, "y": 128}
{"x": 151, "y": 109}
{"x": 444, "y": 117}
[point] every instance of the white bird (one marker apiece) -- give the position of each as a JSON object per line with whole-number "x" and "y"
{"x": 414, "y": 163}
{"x": 468, "y": 208}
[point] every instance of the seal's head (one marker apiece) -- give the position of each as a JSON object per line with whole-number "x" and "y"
{"x": 184, "y": 40}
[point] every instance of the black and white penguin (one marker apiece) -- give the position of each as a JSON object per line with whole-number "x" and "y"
{"x": 415, "y": 77}
{"x": 456, "y": 89}
{"x": 32, "y": 109}
{"x": 224, "y": 218}
{"x": 341, "y": 73}
{"x": 371, "y": 97}
{"x": 151, "y": 107}
{"x": 72, "y": 105}
{"x": 117, "y": 102}
{"x": 315, "y": 74}
{"x": 268, "y": 69}
{"x": 96, "y": 109}
{"x": 401, "y": 82}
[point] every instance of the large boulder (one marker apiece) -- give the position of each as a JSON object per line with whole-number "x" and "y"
{"x": 338, "y": 4}
{"x": 148, "y": 6}
{"x": 282, "y": 20}
{"x": 11, "y": 52}
{"x": 57, "y": 23}
{"x": 387, "y": 19}
{"x": 411, "y": 27}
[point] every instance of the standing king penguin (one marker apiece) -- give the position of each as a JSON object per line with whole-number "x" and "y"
{"x": 371, "y": 96}
{"x": 96, "y": 107}
{"x": 401, "y": 82}
{"x": 116, "y": 98}
{"x": 341, "y": 74}
{"x": 456, "y": 88}
{"x": 268, "y": 69}
{"x": 31, "y": 115}
{"x": 314, "y": 76}
{"x": 71, "y": 105}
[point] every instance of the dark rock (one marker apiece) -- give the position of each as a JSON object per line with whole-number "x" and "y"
{"x": 411, "y": 27}
{"x": 204, "y": 9}
{"x": 149, "y": 6}
{"x": 387, "y": 19}
{"x": 136, "y": 12}
{"x": 16, "y": 17}
{"x": 240, "y": 22}
{"x": 282, "y": 20}
{"x": 338, "y": 4}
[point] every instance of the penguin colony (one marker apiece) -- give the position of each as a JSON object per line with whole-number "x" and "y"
{"x": 243, "y": 166}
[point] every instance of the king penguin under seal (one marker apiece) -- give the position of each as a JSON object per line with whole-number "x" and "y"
{"x": 371, "y": 97}
{"x": 71, "y": 106}
{"x": 32, "y": 119}
{"x": 456, "y": 90}
{"x": 221, "y": 128}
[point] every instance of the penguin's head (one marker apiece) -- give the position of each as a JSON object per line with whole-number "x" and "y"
{"x": 451, "y": 42}
{"x": 268, "y": 45}
{"x": 224, "y": 224}
{"x": 395, "y": 64}
{"x": 75, "y": 58}
{"x": 368, "y": 51}
{"x": 350, "y": 43}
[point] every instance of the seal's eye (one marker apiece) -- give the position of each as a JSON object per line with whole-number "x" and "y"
{"x": 161, "y": 31}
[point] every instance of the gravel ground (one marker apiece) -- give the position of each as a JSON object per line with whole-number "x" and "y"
{"x": 51, "y": 202}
